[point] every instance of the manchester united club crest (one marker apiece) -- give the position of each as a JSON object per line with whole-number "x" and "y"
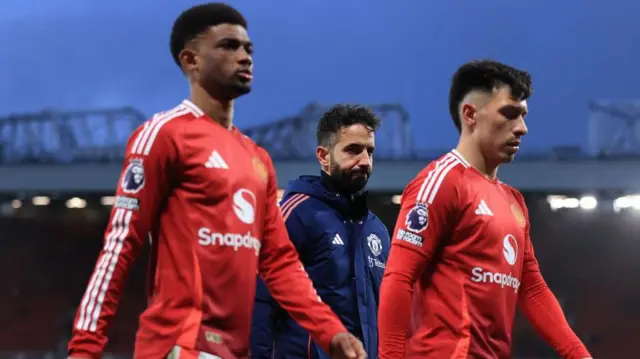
{"x": 517, "y": 213}
{"x": 375, "y": 244}
{"x": 260, "y": 169}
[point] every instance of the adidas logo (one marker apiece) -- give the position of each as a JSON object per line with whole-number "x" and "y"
{"x": 483, "y": 209}
{"x": 216, "y": 161}
{"x": 337, "y": 240}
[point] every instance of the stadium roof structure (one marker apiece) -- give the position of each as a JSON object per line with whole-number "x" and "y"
{"x": 54, "y": 136}
{"x": 294, "y": 137}
{"x": 614, "y": 128}
{"x": 100, "y": 135}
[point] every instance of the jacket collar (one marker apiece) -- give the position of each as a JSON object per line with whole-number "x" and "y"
{"x": 354, "y": 206}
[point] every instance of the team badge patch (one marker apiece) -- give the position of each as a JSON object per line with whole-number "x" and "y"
{"x": 133, "y": 178}
{"x": 418, "y": 218}
{"x": 260, "y": 169}
{"x": 375, "y": 244}
{"x": 517, "y": 213}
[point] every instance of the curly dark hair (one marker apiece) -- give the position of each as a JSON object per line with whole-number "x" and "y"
{"x": 486, "y": 75}
{"x": 198, "y": 19}
{"x": 341, "y": 116}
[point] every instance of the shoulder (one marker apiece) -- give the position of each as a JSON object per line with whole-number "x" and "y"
{"x": 254, "y": 147}
{"x": 303, "y": 215}
{"x": 441, "y": 175}
{"x": 308, "y": 210}
{"x": 517, "y": 195}
{"x": 295, "y": 204}
{"x": 513, "y": 191}
{"x": 262, "y": 157}
{"x": 248, "y": 141}
{"x": 375, "y": 220}
{"x": 162, "y": 127}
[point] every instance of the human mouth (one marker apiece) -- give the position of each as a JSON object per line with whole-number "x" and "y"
{"x": 514, "y": 145}
{"x": 360, "y": 174}
{"x": 245, "y": 75}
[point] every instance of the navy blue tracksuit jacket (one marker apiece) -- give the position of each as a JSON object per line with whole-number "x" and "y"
{"x": 344, "y": 248}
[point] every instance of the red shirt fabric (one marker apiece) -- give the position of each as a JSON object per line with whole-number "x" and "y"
{"x": 460, "y": 261}
{"x": 205, "y": 198}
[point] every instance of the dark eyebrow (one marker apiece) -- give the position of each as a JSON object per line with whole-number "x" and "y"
{"x": 522, "y": 109}
{"x": 235, "y": 40}
{"x": 360, "y": 145}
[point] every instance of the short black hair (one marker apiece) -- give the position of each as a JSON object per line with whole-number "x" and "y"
{"x": 197, "y": 20}
{"x": 341, "y": 116}
{"x": 486, "y": 75}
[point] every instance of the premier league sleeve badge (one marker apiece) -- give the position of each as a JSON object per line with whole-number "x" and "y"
{"x": 133, "y": 178}
{"x": 417, "y": 219}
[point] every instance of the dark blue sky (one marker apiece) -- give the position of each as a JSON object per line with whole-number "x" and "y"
{"x": 74, "y": 54}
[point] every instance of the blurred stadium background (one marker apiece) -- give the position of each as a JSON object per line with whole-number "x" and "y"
{"x": 58, "y": 171}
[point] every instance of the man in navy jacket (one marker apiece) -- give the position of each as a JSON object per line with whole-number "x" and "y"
{"x": 343, "y": 246}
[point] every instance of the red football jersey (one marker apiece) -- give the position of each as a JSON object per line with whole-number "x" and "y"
{"x": 205, "y": 197}
{"x": 464, "y": 240}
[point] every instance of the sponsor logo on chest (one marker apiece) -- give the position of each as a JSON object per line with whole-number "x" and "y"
{"x": 504, "y": 278}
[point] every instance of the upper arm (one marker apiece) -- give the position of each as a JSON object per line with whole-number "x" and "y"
{"x": 427, "y": 208}
{"x": 276, "y": 243}
{"x": 426, "y": 211}
{"x": 150, "y": 162}
{"x": 291, "y": 208}
{"x": 143, "y": 184}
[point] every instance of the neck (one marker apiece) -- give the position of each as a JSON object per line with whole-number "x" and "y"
{"x": 472, "y": 153}
{"x": 218, "y": 110}
{"x": 335, "y": 186}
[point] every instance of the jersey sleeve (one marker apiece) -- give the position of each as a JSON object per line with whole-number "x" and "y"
{"x": 541, "y": 307}
{"x": 425, "y": 220}
{"x": 142, "y": 187}
{"x": 287, "y": 280}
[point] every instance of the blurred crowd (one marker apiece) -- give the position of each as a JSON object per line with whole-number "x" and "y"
{"x": 588, "y": 258}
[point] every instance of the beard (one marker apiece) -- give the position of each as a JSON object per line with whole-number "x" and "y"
{"x": 238, "y": 88}
{"x": 233, "y": 89}
{"x": 349, "y": 181}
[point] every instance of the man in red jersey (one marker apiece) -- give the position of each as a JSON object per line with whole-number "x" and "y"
{"x": 462, "y": 238}
{"x": 204, "y": 196}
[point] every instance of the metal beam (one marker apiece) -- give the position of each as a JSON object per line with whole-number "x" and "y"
{"x": 67, "y": 136}
{"x": 294, "y": 137}
{"x": 614, "y": 127}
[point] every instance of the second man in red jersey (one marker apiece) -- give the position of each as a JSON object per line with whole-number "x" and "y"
{"x": 462, "y": 241}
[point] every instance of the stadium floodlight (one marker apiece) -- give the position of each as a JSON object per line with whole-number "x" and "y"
{"x": 626, "y": 202}
{"x": 16, "y": 203}
{"x": 41, "y": 201}
{"x": 557, "y": 202}
{"x": 76, "y": 202}
{"x": 588, "y": 203}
